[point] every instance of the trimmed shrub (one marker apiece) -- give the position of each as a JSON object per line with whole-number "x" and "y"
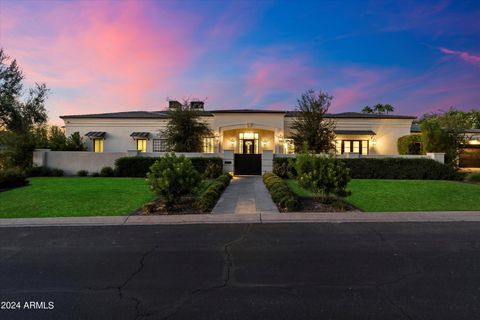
{"x": 400, "y": 168}
{"x": 44, "y": 172}
{"x": 213, "y": 169}
{"x": 280, "y": 192}
{"x": 410, "y": 144}
{"x": 322, "y": 174}
{"x": 139, "y": 166}
{"x": 473, "y": 177}
{"x": 208, "y": 198}
{"x": 11, "y": 178}
{"x": 82, "y": 173}
{"x": 173, "y": 177}
{"x": 284, "y": 167}
{"x": 106, "y": 172}
{"x": 95, "y": 174}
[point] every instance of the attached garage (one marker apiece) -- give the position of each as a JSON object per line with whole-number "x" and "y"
{"x": 470, "y": 157}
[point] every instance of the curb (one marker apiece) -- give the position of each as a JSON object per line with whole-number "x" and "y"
{"x": 259, "y": 217}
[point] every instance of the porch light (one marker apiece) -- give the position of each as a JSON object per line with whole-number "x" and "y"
{"x": 264, "y": 142}
{"x": 280, "y": 138}
{"x": 232, "y": 142}
{"x": 374, "y": 141}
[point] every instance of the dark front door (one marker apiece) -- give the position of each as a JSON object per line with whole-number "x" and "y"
{"x": 248, "y": 164}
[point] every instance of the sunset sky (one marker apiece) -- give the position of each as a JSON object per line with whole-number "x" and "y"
{"x": 105, "y": 56}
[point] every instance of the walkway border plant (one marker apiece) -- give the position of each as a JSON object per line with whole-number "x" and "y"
{"x": 280, "y": 192}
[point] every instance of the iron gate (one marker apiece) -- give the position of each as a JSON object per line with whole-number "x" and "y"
{"x": 248, "y": 164}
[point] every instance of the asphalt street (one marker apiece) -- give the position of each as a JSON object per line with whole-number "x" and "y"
{"x": 237, "y": 271}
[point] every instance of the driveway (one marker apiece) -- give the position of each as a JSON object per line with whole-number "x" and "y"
{"x": 258, "y": 271}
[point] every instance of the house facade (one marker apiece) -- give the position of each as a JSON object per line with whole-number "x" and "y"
{"x": 243, "y": 131}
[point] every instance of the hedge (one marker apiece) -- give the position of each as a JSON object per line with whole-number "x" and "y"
{"x": 409, "y": 144}
{"x": 396, "y": 168}
{"x": 44, "y": 172}
{"x": 11, "y": 178}
{"x": 280, "y": 192}
{"x": 208, "y": 198}
{"x": 139, "y": 166}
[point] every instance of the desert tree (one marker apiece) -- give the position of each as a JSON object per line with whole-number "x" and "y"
{"x": 311, "y": 130}
{"x": 185, "y": 129}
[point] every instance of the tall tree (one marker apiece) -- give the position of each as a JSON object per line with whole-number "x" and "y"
{"x": 388, "y": 108}
{"x": 444, "y": 133}
{"x": 310, "y": 128}
{"x": 379, "y": 109}
{"x": 185, "y": 131}
{"x": 367, "y": 109}
{"x": 21, "y": 118}
{"x": 19, "y": 115}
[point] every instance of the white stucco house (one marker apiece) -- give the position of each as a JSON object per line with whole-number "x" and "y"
{"x": 244, "y": 131}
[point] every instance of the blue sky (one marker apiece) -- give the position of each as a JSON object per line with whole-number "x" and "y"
{"x": 103, "y": 56}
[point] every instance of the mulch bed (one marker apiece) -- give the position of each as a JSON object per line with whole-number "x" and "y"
{"x": 320, "y": 204}
{"x": 156, "y": 208}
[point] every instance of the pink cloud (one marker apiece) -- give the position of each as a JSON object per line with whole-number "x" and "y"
{"x": 468, "y": 57}
{"x": 273, "y": 75}
{"x": 111, "y": 60}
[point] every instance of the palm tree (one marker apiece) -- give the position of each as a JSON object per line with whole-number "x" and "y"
{"x": 388, "y": 108}
{"x": 379, "y": 108}
{"x": 367, "y": 109}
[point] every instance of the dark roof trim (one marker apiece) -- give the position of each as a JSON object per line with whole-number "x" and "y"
{"x": 247, "y": 111}
{"x": 96, "y": 134}
{"x": 140, "y": 135}
{"x": 129, "y": 115}
{"x": 164, "y": 114}
{"x": 355, "y": 132}
{"x": 357, "y": 115}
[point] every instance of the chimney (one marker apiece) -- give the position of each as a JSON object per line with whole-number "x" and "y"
{"x": 197, "y": 105}
{"x": 174, "y": 104}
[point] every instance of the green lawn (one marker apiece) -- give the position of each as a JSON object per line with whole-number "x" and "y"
{"x": 75, "y": 196}
{"x": 408, "y": 195}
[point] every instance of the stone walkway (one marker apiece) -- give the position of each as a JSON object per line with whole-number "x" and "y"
{"x": 245, "y": 194}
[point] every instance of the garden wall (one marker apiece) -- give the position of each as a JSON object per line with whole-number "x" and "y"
{"x": 73, "y": 161}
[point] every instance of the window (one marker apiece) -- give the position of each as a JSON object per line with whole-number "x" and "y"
{"x": 160, "y": 145}
{"x": 209, "y": 145}
{"x": 289, "y": 146}
{"x": 356, "y": 146}
{"x": 142, "y": 145}
{"x": 97, "y": 145}
{"x": 338, "y": 146}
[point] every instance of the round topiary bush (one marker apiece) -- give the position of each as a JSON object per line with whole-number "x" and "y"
{"x": 172, "y": 178}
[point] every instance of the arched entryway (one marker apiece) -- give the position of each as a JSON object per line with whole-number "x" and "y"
{"x": 248, "y": 143}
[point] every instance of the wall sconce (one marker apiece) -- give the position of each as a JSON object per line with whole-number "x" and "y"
{"x": 217, "y": 138}
{"x": 280, "y": 138}
{"x": 374, "y": 141}
{"x": 232, "y": 142}
{"x": 264, "y": 142}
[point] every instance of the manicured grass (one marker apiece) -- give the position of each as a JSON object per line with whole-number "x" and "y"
{"x": 408, "y": 195}
{"x": 298, "y": 190}
{"x": 75, "y": 196}
{"x": 414, "y": 195}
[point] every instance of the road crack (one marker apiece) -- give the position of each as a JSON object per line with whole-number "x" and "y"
{"x": 228, "y": 273}
{"x": 381, "y": 287}
{"x": 130, "y": 277}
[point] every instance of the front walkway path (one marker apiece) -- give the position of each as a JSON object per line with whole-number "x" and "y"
{"x": 245, "y": 194}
